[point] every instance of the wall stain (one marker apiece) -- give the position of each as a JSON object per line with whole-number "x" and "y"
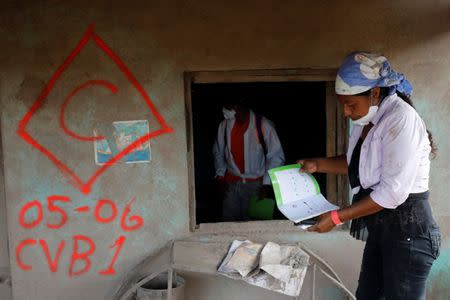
{"x": 29, "y": 89}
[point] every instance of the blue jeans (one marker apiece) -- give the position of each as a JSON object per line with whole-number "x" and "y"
{"x": 397, "y": 268}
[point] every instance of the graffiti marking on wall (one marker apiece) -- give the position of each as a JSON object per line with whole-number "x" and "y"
{"x": 104, "y": 212}
{"x": 85, "y": 186}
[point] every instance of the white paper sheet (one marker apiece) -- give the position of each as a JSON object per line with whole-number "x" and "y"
{"x": 298, "y": 194}
{"x": 280, "y": 268}
{"x": 295, "y": 185}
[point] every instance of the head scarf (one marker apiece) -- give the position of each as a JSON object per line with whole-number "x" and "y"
{"x": 362, "y": 71}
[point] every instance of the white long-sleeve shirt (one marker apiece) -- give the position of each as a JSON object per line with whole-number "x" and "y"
{"x": 394, "y": 159}
{"x": 255, "y": 163}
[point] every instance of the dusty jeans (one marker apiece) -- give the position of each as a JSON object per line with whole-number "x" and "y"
{"x": 236, "y": 199}
{"x": 397, "y": 268}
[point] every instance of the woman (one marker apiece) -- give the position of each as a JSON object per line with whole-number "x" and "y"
{"x": 388, "y": 167}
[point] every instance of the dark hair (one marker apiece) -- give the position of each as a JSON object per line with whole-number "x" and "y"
{"x": 242, "y": 101}
{"x": 384, "y": 92}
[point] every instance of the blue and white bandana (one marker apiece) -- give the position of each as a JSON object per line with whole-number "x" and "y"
{"x": 362, "y": 71}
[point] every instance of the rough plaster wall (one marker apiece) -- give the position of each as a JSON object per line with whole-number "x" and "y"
{"x": 5, "y": 292}
{"x": 160, "y": 186}
{"x": 5, "y": 289}
{"x": 4, "y": 257}
{"x": 158, "y": 40}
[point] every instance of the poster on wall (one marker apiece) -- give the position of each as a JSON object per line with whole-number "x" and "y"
{"x": 125, "y": 134}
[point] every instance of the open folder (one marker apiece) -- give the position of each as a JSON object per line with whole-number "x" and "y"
{"x": 298, "y": 194}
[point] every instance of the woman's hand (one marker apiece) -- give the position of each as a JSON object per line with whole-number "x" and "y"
{"x": 324, "y": 224}
{"x": 308, "y": 165}
{"x": 332, "y": 165}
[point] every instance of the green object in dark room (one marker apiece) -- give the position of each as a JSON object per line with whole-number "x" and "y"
{"x": 261, "y": 209}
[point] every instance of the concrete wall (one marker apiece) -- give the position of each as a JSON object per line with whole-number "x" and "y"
{"x": 158, "y": 40}
{"x": 5, "y": 289}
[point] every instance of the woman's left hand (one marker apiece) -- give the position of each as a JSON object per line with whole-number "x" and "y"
{"x": 324, "y": 224}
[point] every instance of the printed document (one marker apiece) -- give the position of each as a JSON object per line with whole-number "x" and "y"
{"x": 298, "y": 194}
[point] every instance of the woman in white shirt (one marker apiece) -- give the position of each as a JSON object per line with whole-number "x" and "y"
{"x": 388, "y": 167}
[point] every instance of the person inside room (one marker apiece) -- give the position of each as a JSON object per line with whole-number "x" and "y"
{"x": 246, "y": 147}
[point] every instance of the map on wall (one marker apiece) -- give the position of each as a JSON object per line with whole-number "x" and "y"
{"x": 125, "y": 134}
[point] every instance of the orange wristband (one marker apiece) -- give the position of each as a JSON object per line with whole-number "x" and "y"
{"x": 335, "y": 218}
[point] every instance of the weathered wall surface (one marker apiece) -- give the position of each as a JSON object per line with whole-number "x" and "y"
{"x": 5, "y": 289}
{"x": 157, "y": 41}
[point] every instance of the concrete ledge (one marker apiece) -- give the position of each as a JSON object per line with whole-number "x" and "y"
{"x": 270, "y": 226}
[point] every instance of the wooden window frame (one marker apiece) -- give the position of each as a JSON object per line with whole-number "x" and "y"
{"x": 337, "y": 137}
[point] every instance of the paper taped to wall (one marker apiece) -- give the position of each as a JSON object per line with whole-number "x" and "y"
{"x": 298, "y": 194}
{"x": 125, "y": 133}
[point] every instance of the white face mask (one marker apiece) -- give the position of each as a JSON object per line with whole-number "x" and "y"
{"x": 363, "y": 121}
{"x": 229, "y": 114}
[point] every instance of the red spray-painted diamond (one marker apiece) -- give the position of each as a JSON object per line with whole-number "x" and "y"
{"x": 86, "y": 186}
